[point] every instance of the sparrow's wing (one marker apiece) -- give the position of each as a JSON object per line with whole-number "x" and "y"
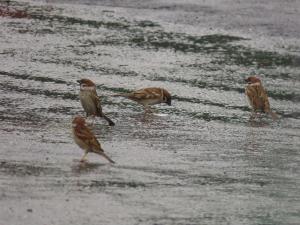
{"x": 251, "y": 94}
{"x": 86, "y": 135}
{"x": 97, "y": 102}
{"x": 146, "y": 93}
{"x": 258, "y": 97}
{"x": 264, "y": 98}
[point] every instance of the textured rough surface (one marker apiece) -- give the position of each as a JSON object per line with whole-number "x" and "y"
{"x": 199, "y": 161}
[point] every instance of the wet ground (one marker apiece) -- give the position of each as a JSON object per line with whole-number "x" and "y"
{"x": 200, "y": 161}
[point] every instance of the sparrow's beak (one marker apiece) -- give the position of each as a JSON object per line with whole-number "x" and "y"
{"x": 79, "y": 81}
{"x": 247, "y": 81}
{"x": 169, "y": 101}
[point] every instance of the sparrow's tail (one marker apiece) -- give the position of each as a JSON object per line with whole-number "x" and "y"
{"x": 105, "y": 156}
{"x": 110, "y": 122}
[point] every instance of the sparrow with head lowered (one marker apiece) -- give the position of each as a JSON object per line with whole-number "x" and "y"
{"x": 149, "y": 96}
{"x": 86, "y": 140}
{"x": 257, "y": 96}
{"x": 90, "y": 101}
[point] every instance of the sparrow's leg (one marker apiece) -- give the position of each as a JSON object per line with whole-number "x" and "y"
{"x": 148, "y": 109}
{"x": 154, "y": 110}
{"x": 83, "y": 159}
{"x": 93, "y": 120}
{"x": 253, "y": 115}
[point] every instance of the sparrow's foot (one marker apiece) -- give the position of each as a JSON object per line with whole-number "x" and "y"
{"x": 83, "y": 160}
{"x": 149, "y": 110}
{"x": 253, "y": 116}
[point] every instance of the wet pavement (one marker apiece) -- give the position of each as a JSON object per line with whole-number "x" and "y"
{"x": 200, "y": 161}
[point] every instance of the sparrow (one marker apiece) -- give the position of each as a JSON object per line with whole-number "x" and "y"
{"x": 148, "y": 96}
{"x": 86, "y": 140}
{"x": 90, "y": 101}
{"x": 257, "y": 96}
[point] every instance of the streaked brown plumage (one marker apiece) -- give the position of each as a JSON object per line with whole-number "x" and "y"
{"x": 257, "y": 96}
{"x": 90, "y": 101}
{"x": 149, "y": 96}
{"x": 85, "y": 139}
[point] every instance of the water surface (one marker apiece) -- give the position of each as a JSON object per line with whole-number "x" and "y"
{"x": 203, "y": 161}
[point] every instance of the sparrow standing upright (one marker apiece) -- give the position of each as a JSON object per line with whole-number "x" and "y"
{"x": 149, "y": 96}
{"x": 257, "y": 96}
{"x": 86, "y": 140}
{"x": 90, "y": 100}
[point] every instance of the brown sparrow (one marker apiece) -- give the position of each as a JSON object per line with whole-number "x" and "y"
{"x": 86, "y": 140}
{"x": 149, "y": 96}
{"x": 90, "y": 100}
{"x": 257, "y": 96}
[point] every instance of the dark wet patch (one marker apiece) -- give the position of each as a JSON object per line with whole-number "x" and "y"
{"x": 8, "y": 52}
{"x": 214, "y": 39}
{"x": 294, "y": 115}
{"x": 216, "y": 45}
{"x": 199, "y": 83}
{"x": 159, "y": 39}
{"x": 207, "y": 102}
{"x": 117, "y": 90}
{"x": 282, "y": 75}
{"x": 221, "y": 180}
{"x": 211, "y": 117}
{"x": 60, "y": 109}
{"x": 88, "y": 67}
{"x": 161, "y": 171}
{"x": 203, "y": 67}
{"x": 8, "y": 11}
{"x": 51, "y": 94}
{"x": 147, "y": 23}
{"x": 241, "y": 55}
{"x": 105, "y": 184}
{"x": 186, "y": 7}
{"x": 280, "y": 95}
{"x": 206, "y": 218}
{"x": 86, "y": 167}
{"x": 184, "y": 176}
{"x": 24, "y": 118}
{"x": 16, "y": 168}
{"x": 77, "y": 21}
{"x": 35, "y": 78}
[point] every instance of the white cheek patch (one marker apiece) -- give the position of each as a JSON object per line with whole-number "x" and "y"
{"x": 83, "y": 87}
{"x": 255, "y": 84}
{"x": 75, "y": 125}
